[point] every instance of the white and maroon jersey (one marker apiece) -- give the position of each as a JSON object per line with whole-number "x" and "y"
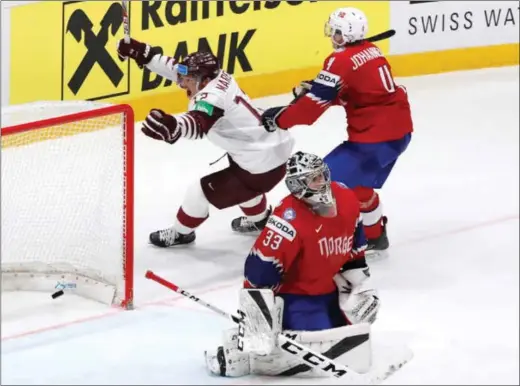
{"x": 224, "y": 114}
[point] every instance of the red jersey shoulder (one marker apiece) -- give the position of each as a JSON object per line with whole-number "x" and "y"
{"x": 335, "y": 63}
{"x": 331, "y": 73}
{"x": 288, "y": 209}
{"x": 293, "y": 211}
{"x": 329, "y": 62}
{"x": 283, "y": 220}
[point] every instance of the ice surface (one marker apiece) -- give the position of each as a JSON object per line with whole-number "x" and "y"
{"x": 449, "y": 289}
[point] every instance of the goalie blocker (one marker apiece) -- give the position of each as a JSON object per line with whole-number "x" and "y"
{"x": 253, "y": 348}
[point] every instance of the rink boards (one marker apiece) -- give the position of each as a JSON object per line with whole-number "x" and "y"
{"x": 268, "y": 46}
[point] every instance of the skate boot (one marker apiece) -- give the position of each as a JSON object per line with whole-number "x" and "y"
{"x": 377, "y": 248}
{"x": 169, "y": 237}
{"x": 244, "y": 225}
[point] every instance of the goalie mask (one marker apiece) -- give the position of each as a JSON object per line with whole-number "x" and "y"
{"x": 308, "y": 179}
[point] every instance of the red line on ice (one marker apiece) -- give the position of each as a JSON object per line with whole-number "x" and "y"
{"x": 114, "y": 311}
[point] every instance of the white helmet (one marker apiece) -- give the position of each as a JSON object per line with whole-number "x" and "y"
{"x": 350, "y": 23}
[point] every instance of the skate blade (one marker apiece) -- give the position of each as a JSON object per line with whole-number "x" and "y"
{"x": 374, "y": 255}
{"x": 251, "y": 233}
{"x": 176, "y": 246}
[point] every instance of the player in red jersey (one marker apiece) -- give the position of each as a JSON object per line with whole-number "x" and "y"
{"x": 358, "y": 77}
{"x": 313, "y": 234}
{"x": 309, "y": 264}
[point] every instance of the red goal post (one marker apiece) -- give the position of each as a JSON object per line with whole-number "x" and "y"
{"x": 68, "y": 199}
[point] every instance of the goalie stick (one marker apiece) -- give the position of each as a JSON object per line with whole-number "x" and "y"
{"x": 306, "y": 355}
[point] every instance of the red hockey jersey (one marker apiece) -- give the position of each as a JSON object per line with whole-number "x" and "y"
{"x": 299, "y": 252}
{"x": 359, "y": 78}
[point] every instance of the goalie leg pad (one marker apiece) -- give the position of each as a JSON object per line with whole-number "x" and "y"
{"x": 227, "y": 360}
{"x": 348, "y": 345}
{"x": 261, "y": 316}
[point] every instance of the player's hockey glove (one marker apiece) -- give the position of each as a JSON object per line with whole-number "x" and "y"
{"x": 303, "y": 88}
{"x": 357, "y": 298}
{"x": 142, "y": 53}
{"x": 161, "y": 126}
{"x": 270, "y": 116}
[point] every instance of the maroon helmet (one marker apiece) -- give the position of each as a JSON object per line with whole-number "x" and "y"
{"x": 201, "y": 64}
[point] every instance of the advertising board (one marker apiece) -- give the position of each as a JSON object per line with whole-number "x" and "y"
{"x": 66, "y": 50}
{"x": 442, "y": 25}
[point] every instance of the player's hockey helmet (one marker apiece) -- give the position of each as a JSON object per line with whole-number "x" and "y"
{"x": 200, "y": 64}
{"x": 349, "y": 23}
{"x": 308, "y": 179}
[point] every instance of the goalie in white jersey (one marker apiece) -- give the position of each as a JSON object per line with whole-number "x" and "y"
{"x": 220, "y": 111}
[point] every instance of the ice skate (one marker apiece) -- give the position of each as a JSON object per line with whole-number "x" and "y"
{"x": 244, "y": 225}
{"x": 378, "y": 248}
{"x": 170, "y": 237}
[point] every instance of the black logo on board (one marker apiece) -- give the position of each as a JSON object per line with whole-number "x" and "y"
{"x": 86, "y": 51}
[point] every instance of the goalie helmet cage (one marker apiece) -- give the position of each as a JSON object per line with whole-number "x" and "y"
{"x": 68, "y": 199}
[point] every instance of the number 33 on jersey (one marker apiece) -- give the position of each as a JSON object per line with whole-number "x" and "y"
{"x": 299, "y": 252}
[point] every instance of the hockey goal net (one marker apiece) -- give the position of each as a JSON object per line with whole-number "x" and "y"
{"x": 67, "y": 199}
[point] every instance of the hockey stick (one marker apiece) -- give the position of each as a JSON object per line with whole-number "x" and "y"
{"x": 152, "y": 276}
{"x": 305, "y": 354}
{"x": 126, "y": 20}
{"x": 382, "y": 36}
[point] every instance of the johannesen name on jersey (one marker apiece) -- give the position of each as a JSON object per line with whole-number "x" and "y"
{"x": 365, "y": 56}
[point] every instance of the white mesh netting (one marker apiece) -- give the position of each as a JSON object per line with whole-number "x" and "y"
{"x": 63, "y": 194}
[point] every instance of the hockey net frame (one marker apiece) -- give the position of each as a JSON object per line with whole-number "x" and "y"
{"x": 93, "y": 111}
